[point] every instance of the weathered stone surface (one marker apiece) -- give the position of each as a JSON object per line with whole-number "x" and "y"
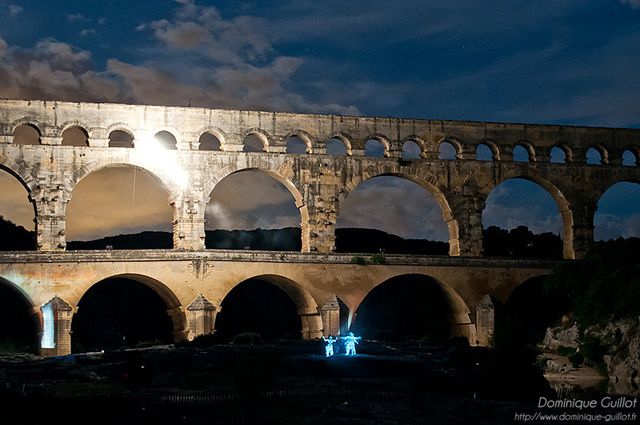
{"x": 180, "y": 278}
{"x": 623, "y": 357}
{"x": 318, "y": 183}
{"x": 561, "y": 336}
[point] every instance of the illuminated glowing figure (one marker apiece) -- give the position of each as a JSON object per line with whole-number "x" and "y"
{"x": 328, "y": 349}
{"x": 350, "y": 342}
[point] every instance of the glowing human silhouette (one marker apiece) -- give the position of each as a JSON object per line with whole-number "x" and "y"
{"x": 350, "y": 342}
{"x": 328, "y": 349}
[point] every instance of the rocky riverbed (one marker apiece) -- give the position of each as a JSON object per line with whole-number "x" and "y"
{"x": 610, "y": 351}
{"x": 271, "y": 383}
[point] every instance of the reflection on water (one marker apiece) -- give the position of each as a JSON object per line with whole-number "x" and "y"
{"x": 593, "y": 387}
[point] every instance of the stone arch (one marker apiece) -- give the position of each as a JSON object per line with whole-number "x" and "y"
{"x": 174, "y": 308}
{"x": 383, "y": 140}
{"x": 262, "y": 135}
{"x": 346, "y": 139}
{"x": 121, "y": 126}
{"x": 457, "y": 145}
{"x": 74, "y": 124}
{"x": 160, "y": 288}
{"x": 25, "y": 296}
{"x": 564, "y": 208}
{"x": 19, "y": 173}
{"x": 177, "y": 136}
{"x": 601, "y": 150}
{"x": 528, "y": 146}
{"x": 635, "y": 154}
{"x": 71, "y": 125}
{"x": 35, "y": 124}
{"x": 406, "y": 148}
{"x": 95, "y": 166}
{"x": 461, "y": 322}
{"x": 566, "y": 150}
{"x": 215, "y": 132}
{"x": 422, "y": 144}
{"x": 281, "y": 176}
{"x": 120, "y": 139}
{"x": 8, "y": 170}
{"x": 630, "y": 201}
{"x": 431, "y": 187}
{"x": 304, "y": 136}
{"x": 141, "y": 190}
{"x": 520, "y": 319}
{"x": 491, "y": 146}
{"x": 22, "y": 321}
{"x": 306, "y": 305}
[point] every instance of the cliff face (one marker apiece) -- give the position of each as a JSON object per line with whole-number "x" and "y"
{"x": 622, "y": 357}
{"x": 612, "y": 348}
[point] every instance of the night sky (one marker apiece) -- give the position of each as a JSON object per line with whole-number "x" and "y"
{"x": 559, "y": 62}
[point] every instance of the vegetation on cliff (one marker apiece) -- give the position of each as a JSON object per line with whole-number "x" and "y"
{"x": 603, "y": 287}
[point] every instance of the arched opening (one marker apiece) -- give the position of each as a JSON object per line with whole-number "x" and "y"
{"x": 389, "y": 214}
{"x": 447, "y": 151}
{"x": 522, "y": 219}
{"x": 558, "y": 155}
{"x": 522, "y": 321}
{"x": 629, "y": 159}
{"x": 521, "y": 154}
{"x": 594, "y": 156}
{"x": 120, "y": 139}
{"x": 75, "y": 136}
{"x": 17, "y": 215}
{"x": 260, "y": 305}
{"x": 411, "y": 150}
{"x": 251, "y": 209}
{"x": 136, "y": 216}
{"x": 26, "y": 134}
{"x": 484, "y": 153}
{"x": 296, "y": 145}
{"x": 209, "y": 142}
{"x": 618, "y": 213}
{"x": 122, "y": 312}
{"x": 253, "y": 143}
{"x": 166, "y": 139}
{"x": 19, "y": 321}
{"x": 336, "y": 147}
{"x": 374, "y": 148}
{"x": 407, "y": 307}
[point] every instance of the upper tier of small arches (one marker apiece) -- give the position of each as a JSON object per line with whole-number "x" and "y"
{"x": 300, "y": 142}
{"x": 196, "y": 129}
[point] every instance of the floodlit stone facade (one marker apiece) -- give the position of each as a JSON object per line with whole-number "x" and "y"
{"x": 319, "y": 183}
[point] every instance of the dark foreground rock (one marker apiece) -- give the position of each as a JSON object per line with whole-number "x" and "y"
{"x": 272, "y": 383}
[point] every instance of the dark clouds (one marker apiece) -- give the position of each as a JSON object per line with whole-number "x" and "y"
{"x": 519, "y": 202}
{"x": 249, "y": 200}
{"x": 556, "y": 61}
{"x": 194, "y": 56}
{"x": 396, "y": 206}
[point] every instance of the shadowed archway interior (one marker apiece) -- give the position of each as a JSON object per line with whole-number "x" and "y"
{"x": 260, "y": 306}
{"x": 120, "y": 312}
{"x": 403, "y": 308}
{"x": 19, "y": 326}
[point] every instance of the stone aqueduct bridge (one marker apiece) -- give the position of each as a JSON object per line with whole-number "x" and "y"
{"x": 193, "y": 281}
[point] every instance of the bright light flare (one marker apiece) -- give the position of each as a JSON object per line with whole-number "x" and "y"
{"x": 152, "y": 154}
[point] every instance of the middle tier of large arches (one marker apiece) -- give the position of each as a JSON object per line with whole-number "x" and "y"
{"x": 190, "y": 176}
